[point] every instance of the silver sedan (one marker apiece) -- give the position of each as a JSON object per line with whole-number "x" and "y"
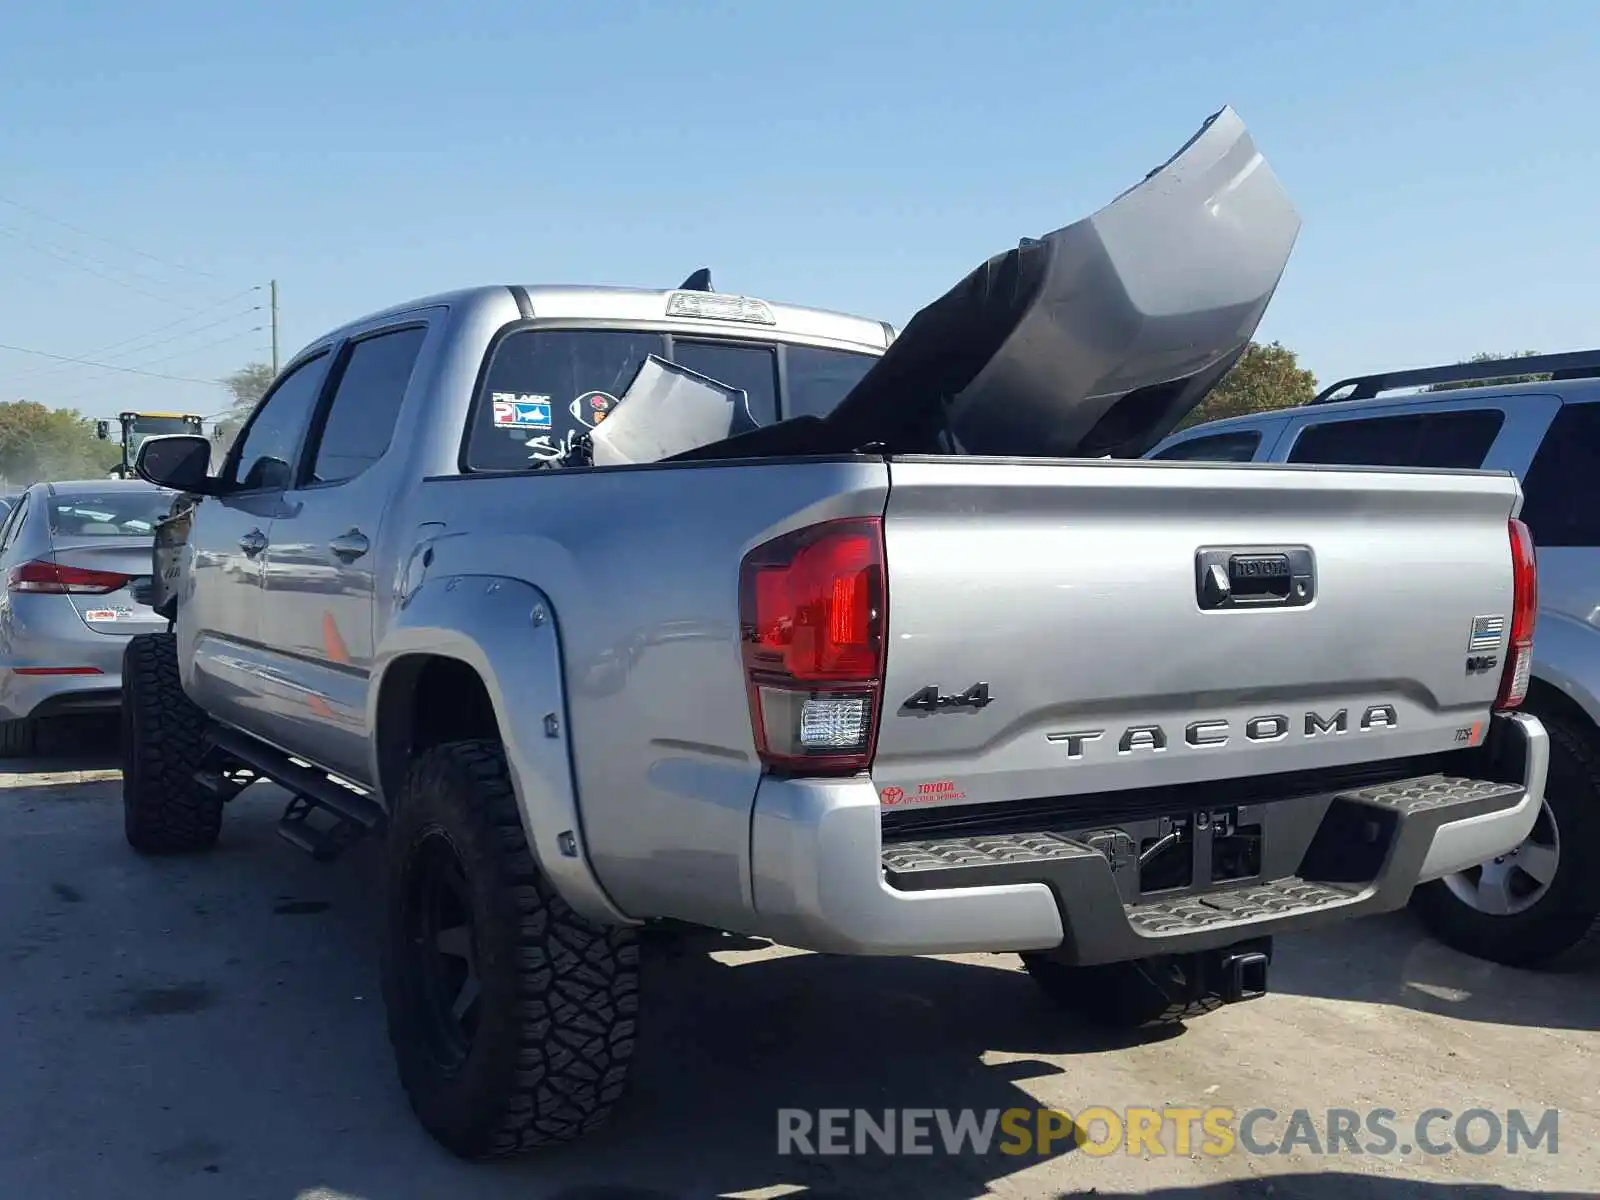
{"x": 75, "y": 560}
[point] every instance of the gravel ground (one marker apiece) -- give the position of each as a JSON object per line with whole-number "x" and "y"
{"x": 210, "y": 1027}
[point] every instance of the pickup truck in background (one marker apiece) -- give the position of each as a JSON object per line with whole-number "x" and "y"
{"x": 616, "y": 606}
{"x": 1538, "y": 419}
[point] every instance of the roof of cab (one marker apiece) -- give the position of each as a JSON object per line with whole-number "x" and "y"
{"x": 577, "y": 302}
{"x": 650, "y": 304}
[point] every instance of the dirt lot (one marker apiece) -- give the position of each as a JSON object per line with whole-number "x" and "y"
{"x": 210, "y": 1028}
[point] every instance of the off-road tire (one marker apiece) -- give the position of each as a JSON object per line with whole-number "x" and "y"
{"x": 18, "y": 739}
{"x": 1561, "y": 931}
{"x": 1124, "y": 995}
{"x": 558, "y": 993}
{"x": 165, "y": 809}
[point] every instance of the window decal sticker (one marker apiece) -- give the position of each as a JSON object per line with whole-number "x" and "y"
{"x": 521, "y": 410}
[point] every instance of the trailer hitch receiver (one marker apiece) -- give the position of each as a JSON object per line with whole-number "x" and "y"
{"x": 1242, "y": 974}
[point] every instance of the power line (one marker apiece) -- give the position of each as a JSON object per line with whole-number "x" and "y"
{"x": 186, "y": 334}
{"x": 144, "y": 367}
{"x": 84, "y": 362}
{"x": 174, "y": 324}
{"x": 47, "y": 372}
{"x": 71, "y": 255}
{"x": 17, "y": 204}
{"x": 49, "y": 249}
{"x": 80, "y": 397}
{"x": 221, "y": 341}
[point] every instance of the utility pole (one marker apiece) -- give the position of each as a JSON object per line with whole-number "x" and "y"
{"x": 274, "y": 328}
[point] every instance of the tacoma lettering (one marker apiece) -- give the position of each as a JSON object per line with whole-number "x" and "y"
{"x": 1142, "y": 737}
{"x": 1379, "y": 716}
{"x": 1218, "y": 731}
{"x": 1334, "y": 724}
{"x": 1266, "y": 729}
{"x": 1075, "y": 742}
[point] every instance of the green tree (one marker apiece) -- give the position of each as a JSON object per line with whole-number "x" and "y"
{"x": 247, "y": 385}
{"x": 1490, "y": 356}
{"x": 1265, "y": 378}
{"x": 50, "y": 443}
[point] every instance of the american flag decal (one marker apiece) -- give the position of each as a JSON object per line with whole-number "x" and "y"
{"x": 1486, "y": 633}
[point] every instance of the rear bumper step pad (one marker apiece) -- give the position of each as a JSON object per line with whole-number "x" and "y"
{"x": 1348, "y": 853}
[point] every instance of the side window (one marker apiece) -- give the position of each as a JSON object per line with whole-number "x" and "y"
{"x": 1458, "y": 439}
{"x": 819, "y": 379}
{"x": 545, "y": 387}
{"x": 366, "y": 403}
{"x": 13, "y": 523}
{"x": 1561, "y": 495}
{"x": 752, "y": 369}
{"x": 265, "y": 456}
{"x": 1235, "y": 446}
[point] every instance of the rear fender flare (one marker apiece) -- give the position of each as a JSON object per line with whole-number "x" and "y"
{"x": 505, "y": 629}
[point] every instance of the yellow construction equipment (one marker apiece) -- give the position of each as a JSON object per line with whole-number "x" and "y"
{"x": 137, "y": 426}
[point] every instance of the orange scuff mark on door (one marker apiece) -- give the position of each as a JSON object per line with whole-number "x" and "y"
{"x": 332, "y": 643}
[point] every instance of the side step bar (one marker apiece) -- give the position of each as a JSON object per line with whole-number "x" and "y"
{"x": 352, "y": 814}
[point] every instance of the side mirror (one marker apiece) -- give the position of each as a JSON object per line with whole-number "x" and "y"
{"x": 180, "y": 461}
{"x": 102, "y": 430}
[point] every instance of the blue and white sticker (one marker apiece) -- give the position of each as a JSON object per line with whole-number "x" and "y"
{"x": 520, "y": 410}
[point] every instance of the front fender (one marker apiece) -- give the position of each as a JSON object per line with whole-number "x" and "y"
{"x": 505, "y": 630}
{"x": 1566, "y": 655}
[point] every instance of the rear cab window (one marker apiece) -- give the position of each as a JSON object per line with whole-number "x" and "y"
{"x": 751, "y": 369}
{"x": 819, "y": 378}
{"x": 546, "y": 388}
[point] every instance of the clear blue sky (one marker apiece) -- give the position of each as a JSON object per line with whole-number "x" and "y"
{"x": 853, "y": 155}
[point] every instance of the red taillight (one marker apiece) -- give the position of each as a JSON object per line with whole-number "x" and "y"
{"x": 40, "y": 576}
{"x": 1524, "y": 612}
{"x": 813, "y": 607}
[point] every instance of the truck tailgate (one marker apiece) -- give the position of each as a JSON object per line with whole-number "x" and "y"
{"x": 1082, "y": 595}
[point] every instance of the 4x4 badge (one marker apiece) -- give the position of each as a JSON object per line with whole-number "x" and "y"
{"x": 929, "y": 699}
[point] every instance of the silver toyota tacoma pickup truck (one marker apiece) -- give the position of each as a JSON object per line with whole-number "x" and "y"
{"x": 608, "y": 607}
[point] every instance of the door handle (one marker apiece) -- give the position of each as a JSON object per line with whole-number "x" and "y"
{"x": 253, "y": 543}
{"x": 350, "y": 546}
